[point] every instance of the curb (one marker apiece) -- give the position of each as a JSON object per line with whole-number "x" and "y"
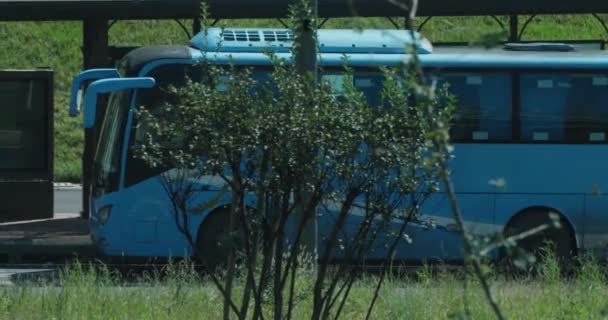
{"x": 20, "y": 277}
{"x": 65, "y": 186}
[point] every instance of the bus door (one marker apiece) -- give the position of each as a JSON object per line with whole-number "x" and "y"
{"x": 26, "y": 144}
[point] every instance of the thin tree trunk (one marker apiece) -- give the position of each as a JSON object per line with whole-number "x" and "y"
{"x": 180, "y": 210}
{"x": 292, "y": 284}
{"x": 318, "y": 301}
{"x": 231, "y": 269}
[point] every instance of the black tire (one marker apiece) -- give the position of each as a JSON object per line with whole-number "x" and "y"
{"x": 215, "y": 240}
{"x": 559, "y": 240}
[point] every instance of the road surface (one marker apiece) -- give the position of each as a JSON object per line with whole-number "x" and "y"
{"x": 67, "y": 204}
{"x": 68, "y": 198}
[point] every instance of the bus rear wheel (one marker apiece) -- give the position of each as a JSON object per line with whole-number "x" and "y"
{"x": 557, "y": 242}
{"x": 216, "y": 240}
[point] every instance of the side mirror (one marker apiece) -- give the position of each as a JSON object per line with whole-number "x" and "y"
{"x": 107, "y": 86}
{"x": 87, "y": 75}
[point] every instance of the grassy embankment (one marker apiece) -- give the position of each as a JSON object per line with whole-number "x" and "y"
{"x": 86, "y": 294}
{"x": 57, "y": 45}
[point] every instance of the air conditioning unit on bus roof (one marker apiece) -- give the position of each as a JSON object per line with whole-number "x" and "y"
{"x": 329, "y": 40}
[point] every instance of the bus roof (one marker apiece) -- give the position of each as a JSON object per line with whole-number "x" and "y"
{"x": 473, "y": 58}
{"x": 365, "y": 48}
{"x": 498, "y": 57}
{"x": 388, "y": 47}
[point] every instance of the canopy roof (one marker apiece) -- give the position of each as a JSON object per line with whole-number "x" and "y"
{"x": 166, "y": 9}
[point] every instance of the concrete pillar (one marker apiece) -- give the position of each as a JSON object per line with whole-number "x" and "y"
{"x": 95, "y": 54}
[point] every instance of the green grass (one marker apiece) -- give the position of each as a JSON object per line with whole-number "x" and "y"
{"x": 57, "y": 45}
{"x": 83, "y": 293}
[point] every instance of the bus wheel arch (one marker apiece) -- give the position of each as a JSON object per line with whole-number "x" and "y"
{"x": 564, "y": 238}
{"x": 214, "y": 239}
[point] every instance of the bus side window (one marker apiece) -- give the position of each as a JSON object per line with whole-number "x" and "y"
{"x": 367, "y": 82}
{"x": 590, "y": 95}
{"x": 483, "y": 106}
{"x": 371, "y": 85}
{"x": 566, "y": 108}
{"x": 334, "y": 82}
{"x": 543, "y": 107}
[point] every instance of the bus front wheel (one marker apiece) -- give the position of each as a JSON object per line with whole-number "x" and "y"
{"x": 557, "y": 241}
{"x": 216, "y": 240}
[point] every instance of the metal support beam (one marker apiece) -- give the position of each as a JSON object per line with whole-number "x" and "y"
{"x": 424, "y": 22}
{"x": 306, "y": 64}
{"x": 525, "y": 26}
{"x": 184, "y": 28}
{"x": 196, "y": 26}
{"x": 601, "y": 21}
{"x": 95, "y": 54}
{"x": 306, "y": 57}
{"x": 513, "y": 28}
{"x": 502, "y": 25}
{"x": 322, "y": 23}
{"x": 283, "y": 23}
{"x": 393, "y": 22}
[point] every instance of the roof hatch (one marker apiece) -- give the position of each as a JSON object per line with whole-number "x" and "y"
{"x": 539, "y": 46}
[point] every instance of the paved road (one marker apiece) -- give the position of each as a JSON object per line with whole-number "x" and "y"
{"x": 68, "y": 203}
{"x": 68, "y": 200}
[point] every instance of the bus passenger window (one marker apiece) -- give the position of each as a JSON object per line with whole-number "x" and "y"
{"x": 564, "y": 108}
{"x": 543, "y": 107}
{"x": 591, "y": 93}
{"x": 367, "y": 82}
{"x": 335, "y": 82}
{"x": 483, "y": 106}
{"x": 371, "y": 85}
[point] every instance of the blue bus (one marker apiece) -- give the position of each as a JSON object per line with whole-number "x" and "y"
{"x": 530, "y": 135}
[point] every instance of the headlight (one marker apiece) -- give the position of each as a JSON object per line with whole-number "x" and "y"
{"x": 104, "y": 214}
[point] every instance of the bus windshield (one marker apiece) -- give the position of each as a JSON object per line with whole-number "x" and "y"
{"x": 106, "y": 166}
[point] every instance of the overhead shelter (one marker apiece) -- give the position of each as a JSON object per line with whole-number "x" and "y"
{"x": 95, "y": 14}
{"x": 171, "y": 9}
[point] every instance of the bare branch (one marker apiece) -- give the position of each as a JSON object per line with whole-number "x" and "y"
{"x": 514, "y": 238}
{"x": 467, "y": 243}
